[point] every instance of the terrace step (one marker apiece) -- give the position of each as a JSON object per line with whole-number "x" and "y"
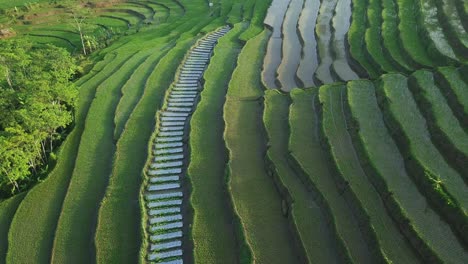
{"x": 179, "y": 109}
{"x": 182, "y": 85}
{"x": 169, "y": 157}
{"x": 183, "y": 93}
{"x": 183, "y": 97}
{"x": 180, "y": 100}
{"x": 157, "y": 172}
{"x": 170, "y": 210}
{"x": 194, "y": 75}
{"x": 168, "y": 145}
{"x": 173, "y": 114}
{"x": 193, "y": 81}
{"x": 185, "y": 89}
{"x": 162, "y": 187}
{"x": 192, "y": 72}
{"x": 167, "y": 164}
{"x": 168, "y": 195}
{"x": 188, "y": 80}
{"x": 169, "y": 139}
{"x": 188, "y": 104}
{"x": 163, "y": 255}
{"x": 195, "y": 63}
{"x": 164, "y": 179}
{"x": 172, "y": 123}
{"x": 171, "y": 134}
{"x": 176, "y": 261}
{"x": 164, "y": 219}
{"x": 167, "y": 203}
{"x": 172, "y": 128}
{"x": 166, "y": 245}
{"x": 169, "y": 226}
{"x": 173, "y": 119}
{"x": 205, "y": 50}
{"x": 166, "y": 236}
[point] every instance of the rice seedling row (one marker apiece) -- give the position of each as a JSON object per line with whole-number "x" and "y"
{"x": 392, "y": 245}
{"x": 430, "y": 235}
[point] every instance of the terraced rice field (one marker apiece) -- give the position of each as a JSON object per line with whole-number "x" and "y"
{"x": 298, "y": 131}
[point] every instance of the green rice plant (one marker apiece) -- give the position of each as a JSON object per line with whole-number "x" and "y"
{"x": 445, "y": 130}
{"x": 309, "y": 222}
{"x": 454, "y": 88}
{"x": 428, "y": 233}
{"x": 251, "y": 60}
{"x": 134, "y": 87}
{"x": 452, "y": 25}
{"x": 439, "y": 43}
{"x": 212, "y": 231}
{"x": 356, "y": 39}
{"x": 255, "y": 199}
{"x": 308, "y": 156}
{"x": 392, "y": 38}
{"x": 440, "y": 183}
{"x": 32, "y": 241}
{"x": 91, "y": 171}
{"x": 118, "y": 235}
{"x": 411, "y": 32}
{"x": 373, "y": 37}
{"x": 7, "y": 211}
{"x": 255, "y": 12}
{"x": 391, "y": 243}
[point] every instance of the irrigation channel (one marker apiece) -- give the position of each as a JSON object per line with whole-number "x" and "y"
{"x": 164, "y": 190}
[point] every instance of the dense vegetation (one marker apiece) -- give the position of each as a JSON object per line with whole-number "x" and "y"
{"x": 299, "y": 131}
{"x": 36, "y": 101}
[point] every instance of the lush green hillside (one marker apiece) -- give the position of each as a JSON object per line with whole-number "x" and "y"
{"x": 197, "y": 139}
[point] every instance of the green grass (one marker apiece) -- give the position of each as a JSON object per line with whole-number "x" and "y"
{"x": 391, "y": 36}
{"x": 434, "y": 29}
{"x": 307, "y": 217}
{"x": 305, "y": 148}
{"x": 119, "y": 209}
{"x": 391, "y": 243}
{"x": 253, "y": 192}
{"x": 259, "y": 209}
{"x": 455, "y": 89}
{"x": 31, "y": 241}
{"x": 431, "y": 236}
{"x": 453, "y": 27}
{"x": 91, "y": 172}
{"x": 255, "y": 12}
{"x": 442, "y": 184}
{"x": 5, "y": 4}
{"x": 356, "y": 39}
{"x": 212, "y": 231}
{"x": 446, "y": 131}
{"x": 251, "y": 60}
{"x": 134, "y": 87}
{"x": 7, "y": 211}
{"x": 373, "y": 36}
{"x": 410, "y": 32}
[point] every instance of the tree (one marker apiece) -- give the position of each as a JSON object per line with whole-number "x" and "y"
{"x": 36, "y": 100}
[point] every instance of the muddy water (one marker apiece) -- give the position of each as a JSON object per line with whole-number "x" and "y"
{"x": 309, "y": 61}
{"x": 323, "y": 31}
{"x": 341, "y": 22}
{"x": 291, "y": 49}
{"x": 274, "y": 19}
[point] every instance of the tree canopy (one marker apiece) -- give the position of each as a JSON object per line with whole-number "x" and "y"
{"x": 36, "y": 103}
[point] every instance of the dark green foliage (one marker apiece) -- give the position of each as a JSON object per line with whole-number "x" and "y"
{"x": 36, "y": 103}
